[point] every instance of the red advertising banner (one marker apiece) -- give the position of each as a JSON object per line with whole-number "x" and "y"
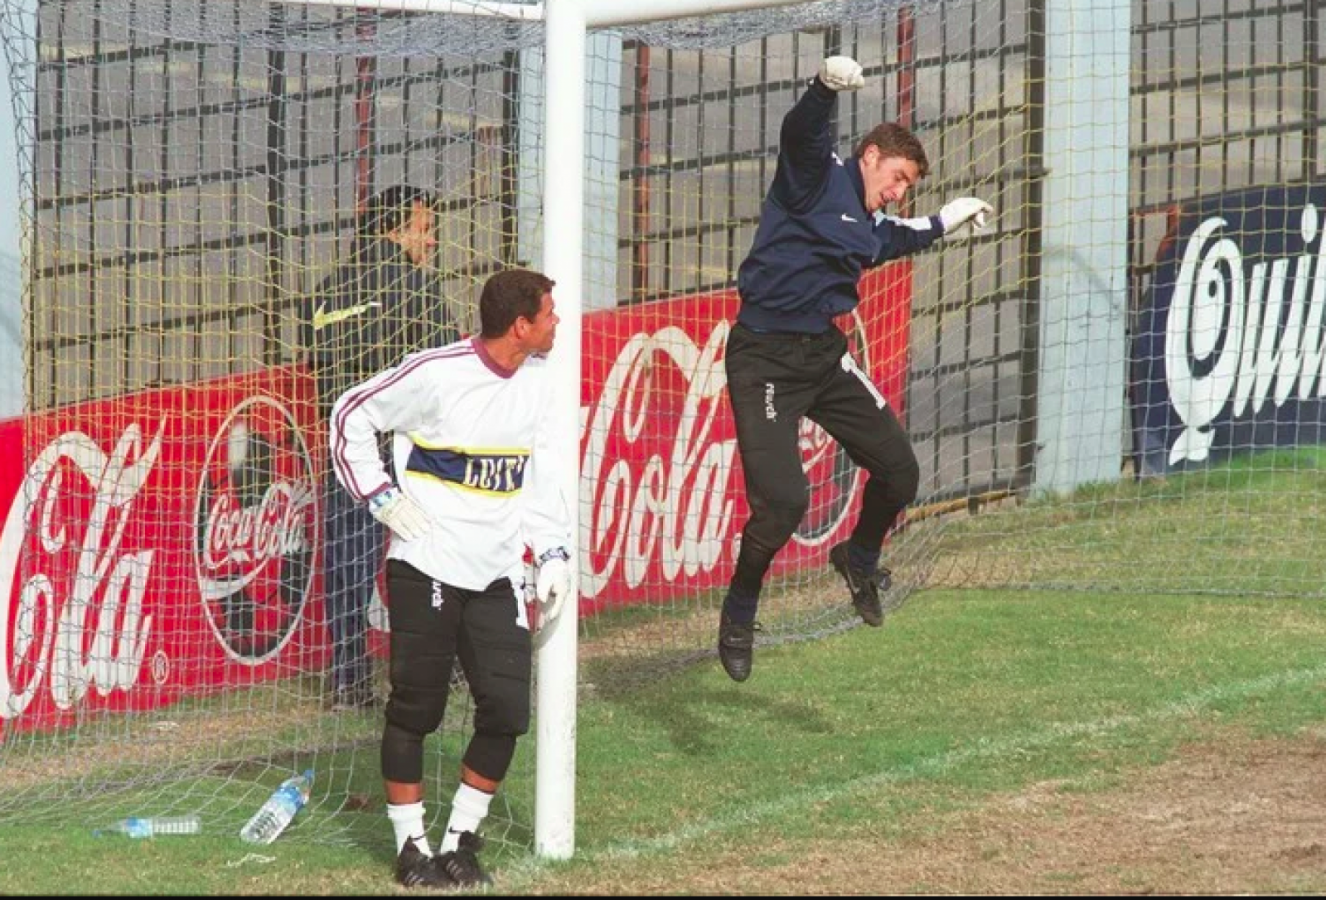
{"x": 662, "y": 498}
{"x": 168, "y": 543}
{"x": 157, "y": 545}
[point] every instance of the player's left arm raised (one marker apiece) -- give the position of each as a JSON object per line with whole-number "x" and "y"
{"x": 805, "y": 141}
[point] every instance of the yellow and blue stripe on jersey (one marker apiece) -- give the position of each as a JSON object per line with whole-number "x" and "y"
{"x": 487, "y": 470}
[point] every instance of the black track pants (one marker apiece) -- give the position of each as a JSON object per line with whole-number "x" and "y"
{"x": 773, "y": 381}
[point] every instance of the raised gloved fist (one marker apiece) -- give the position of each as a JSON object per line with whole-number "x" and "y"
{"x": 401, "y": 514}
{"x": 553, "y": 584}
{"x": 963, "y": 211}
{"x": 841, "y": 73}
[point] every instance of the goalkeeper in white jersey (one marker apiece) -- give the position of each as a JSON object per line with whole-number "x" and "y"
{"x": 473, "y": 484}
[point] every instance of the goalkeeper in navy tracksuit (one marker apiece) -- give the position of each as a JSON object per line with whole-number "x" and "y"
{"x": 822, "y": 224}
{"x": 383, "y": 302}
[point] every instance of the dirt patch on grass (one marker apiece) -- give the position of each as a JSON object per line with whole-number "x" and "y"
{"x": 1232, "y": 818}
{"x": 1245, "y": 818}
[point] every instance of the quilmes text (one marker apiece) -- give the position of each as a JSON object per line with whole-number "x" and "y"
{"x": 1240, "y": 335}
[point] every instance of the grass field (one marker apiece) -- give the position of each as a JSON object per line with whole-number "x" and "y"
{"x": 985, "y": 740}
{"x": 981, "y": 742}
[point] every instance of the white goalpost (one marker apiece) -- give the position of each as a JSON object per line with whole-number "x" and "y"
{"x": 564, "y": 201}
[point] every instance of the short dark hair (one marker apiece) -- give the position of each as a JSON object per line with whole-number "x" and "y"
{"x": 894, "y": 140}
{"x": 390, "y": 209}
{"x": 509, "y": 295}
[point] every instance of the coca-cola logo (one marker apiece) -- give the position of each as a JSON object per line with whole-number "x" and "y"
{"x": 656, "y": 480}
{"x": 73, "y": 617}
{"x": 257, "y": 520}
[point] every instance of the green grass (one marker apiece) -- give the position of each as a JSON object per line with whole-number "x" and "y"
{"x": 866, "y": 738}
{"x": 1247, "y": 526}
{"x": 960, "y": 696}
{"x": 947, "y": 673}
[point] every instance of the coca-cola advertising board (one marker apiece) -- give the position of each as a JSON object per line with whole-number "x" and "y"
{"x": 157, "y": 545}
{"x": 662, "y": 498}
{"x": 168, "y": 543}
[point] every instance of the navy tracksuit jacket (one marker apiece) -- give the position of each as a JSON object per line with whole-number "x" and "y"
{"x": 815, "y": 237}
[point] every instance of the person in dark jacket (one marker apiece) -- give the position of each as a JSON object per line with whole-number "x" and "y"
{"x": 382, "y": 303}
{"x": 821, "y": 226}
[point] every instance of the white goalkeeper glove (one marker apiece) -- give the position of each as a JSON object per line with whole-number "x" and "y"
{"x": 963, "y": 211}
{"x": 553, "y": 584}
{"x": 402, "y": 515}
{"x": 841, "y": 73}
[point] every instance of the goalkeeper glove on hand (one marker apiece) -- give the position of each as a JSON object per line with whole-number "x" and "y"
{"x": 963, "y": 211}
{"x": 401, "y": 514}
{"x": 841, "y": 73}
{"x": 553, "y": 583}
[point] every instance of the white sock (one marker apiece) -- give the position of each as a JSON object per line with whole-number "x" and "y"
{"x": 407, "y": 820}
{"x": 468, "y": 809}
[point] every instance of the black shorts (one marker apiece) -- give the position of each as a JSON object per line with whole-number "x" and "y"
{"x": 774, "y": 380}
{"x": 433, "y": 624}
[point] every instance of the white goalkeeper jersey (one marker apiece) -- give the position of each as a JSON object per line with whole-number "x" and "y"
{"x": 472, "y": 447}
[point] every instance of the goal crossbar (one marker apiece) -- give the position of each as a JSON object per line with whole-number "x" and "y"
{"x": 596, "y": 14}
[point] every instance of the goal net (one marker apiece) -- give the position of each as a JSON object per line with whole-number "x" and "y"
{"x": 1115, "y": 387}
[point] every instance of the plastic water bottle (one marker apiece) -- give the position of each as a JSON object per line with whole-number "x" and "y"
{"x": 146, "y": 827}
{"x": 269, "y": 821}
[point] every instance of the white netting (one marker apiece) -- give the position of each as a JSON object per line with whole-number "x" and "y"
{"x": 193, "y": 172}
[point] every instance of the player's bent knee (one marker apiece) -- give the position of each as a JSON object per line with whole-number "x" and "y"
{"x": 504, "y": 709}
{"x": 908, "y": 483}
{"x": 778, "y": 521}
{"x": 417, "y": 710}
{"x": 897, "y": 486}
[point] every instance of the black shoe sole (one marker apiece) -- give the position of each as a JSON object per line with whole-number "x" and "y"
{"x": 872, "y": 618}
{"x": 736, "y": 648}
{"x": 736, "y": 669}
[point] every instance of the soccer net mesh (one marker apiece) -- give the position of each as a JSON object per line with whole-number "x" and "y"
{"x": 192, "y": 172}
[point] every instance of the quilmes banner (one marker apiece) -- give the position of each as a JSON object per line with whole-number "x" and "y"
{"x": 1228, "y": 354}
